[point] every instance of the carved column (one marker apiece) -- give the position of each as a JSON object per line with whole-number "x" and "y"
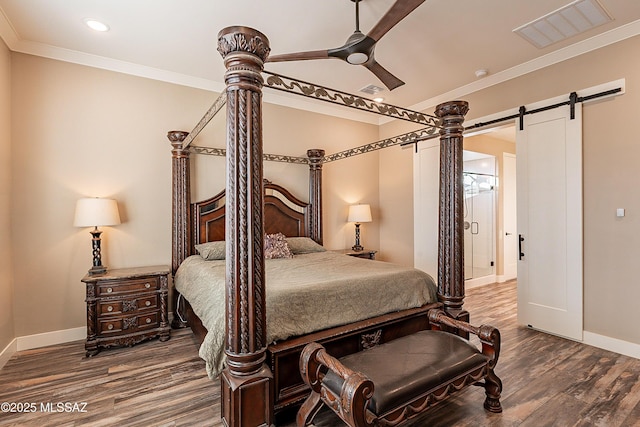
{"x": 246, "y": 382}
{"x": 315, "y": 193}
{"x": 165, "y": 332}
{"x": 451, "y": 232}
{"x": 181, "y": 199}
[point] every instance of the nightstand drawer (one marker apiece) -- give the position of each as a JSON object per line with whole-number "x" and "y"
{"x": 127, "y": 324}
{"x": 123, "y": 287}
{"x": 111, "y": 307}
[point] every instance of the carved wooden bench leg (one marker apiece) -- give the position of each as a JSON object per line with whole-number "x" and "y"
{"x": 493, "y": 388}
{"x": 310, "y": 370}
{"x": 314, "y": 363}
{"x": 308, "y": 410}
{"x": 490, "y": 339}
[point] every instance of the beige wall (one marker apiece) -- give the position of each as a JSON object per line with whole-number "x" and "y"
{"x": 291, "y": 132}
{"x": 351, "y": 181}
{"x": 396, "y": 195}
{"x": 7, "y": 332}
{"x": 348, "y": 181}
{"x": 396, "y": 204}
{"x": 80, "y": 131}
{"x": 611, "y": 245}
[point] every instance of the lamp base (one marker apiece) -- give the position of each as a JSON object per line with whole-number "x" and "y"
{"x": 97, "y": 268}
{"x": 94, "y": 271}
{"x": 357, "y": 247}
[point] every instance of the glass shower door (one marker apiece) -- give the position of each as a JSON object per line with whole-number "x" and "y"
{"x": 479, "y": 233}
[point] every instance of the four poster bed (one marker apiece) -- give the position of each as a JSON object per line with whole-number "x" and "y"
{"x": 346, "y": 303}
{"x": 262, "y": 374}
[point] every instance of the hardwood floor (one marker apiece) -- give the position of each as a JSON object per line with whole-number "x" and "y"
{"x": 151, "y": 384}
{"x": 548, "y": 381}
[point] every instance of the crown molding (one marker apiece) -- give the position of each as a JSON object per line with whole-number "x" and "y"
{"x": 7, "y": 32}
{"x": 610, "y": 37}
{"x": 15, "y": 44}
{"x": 13, "y": 41}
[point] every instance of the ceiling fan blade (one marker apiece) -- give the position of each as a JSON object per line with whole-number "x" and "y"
{"x": 389, "y": 80}
{"x": 299, "y": 56}
{"x": 399, "y": 10}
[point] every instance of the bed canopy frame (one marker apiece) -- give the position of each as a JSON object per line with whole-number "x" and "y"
{"x": 247, "y": 382}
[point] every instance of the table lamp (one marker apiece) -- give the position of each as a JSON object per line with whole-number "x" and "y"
{"x": 359, "y": 214}
{"x": 95, "y": 212}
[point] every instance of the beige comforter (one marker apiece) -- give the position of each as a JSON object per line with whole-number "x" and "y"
{"x": 307, "y": 293}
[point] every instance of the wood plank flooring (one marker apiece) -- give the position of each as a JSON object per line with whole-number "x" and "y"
{"x": 548, "y": 381}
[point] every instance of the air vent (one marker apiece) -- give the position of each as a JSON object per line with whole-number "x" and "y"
{"x": 575, "y": 18}
{"x": 372, "y": 89}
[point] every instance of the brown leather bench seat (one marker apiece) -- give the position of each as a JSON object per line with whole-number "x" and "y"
{"x": 399, "y": 379}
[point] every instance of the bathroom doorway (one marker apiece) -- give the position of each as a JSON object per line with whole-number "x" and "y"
{"x": 479, "y": 179}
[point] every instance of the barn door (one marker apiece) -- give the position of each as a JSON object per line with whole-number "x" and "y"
{"x": 549, "y": 204}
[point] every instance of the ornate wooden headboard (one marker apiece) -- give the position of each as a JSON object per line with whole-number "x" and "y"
{"x": 283, "y": 213}
{"x": 204, "y": 221}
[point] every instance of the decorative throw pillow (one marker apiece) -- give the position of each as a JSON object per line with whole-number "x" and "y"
{"x": 275, "y": 246}
{"x": 212, "y": 250}
{"x": 304, "y": 245}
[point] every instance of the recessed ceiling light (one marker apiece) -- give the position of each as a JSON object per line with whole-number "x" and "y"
{"x": 378, "y": 100}
{"x": 482, "y": 73}
{"x": 96, "y": 25}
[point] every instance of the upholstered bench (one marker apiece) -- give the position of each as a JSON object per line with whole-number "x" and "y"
{"x": 393, "y": 382}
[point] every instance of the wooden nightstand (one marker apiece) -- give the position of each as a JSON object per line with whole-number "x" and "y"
{"x": 366, "y": 253}
{"x": 126, "y": 306}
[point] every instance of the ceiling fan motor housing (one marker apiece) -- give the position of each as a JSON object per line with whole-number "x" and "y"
{"x": 357, "y": 50}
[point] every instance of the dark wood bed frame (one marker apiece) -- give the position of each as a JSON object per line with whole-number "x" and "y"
{"x": 262, "y": 378}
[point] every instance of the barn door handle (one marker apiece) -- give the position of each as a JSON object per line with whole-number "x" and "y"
{"x": 520, "y": 240}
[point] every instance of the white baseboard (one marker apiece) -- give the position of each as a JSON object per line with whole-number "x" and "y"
{"x": 501, "y": 278}
{"x": 612, "y": 344}
{"x": 480, "y": 281}
{"x": 51, "y": 338}
{"x": 8, "y": 351}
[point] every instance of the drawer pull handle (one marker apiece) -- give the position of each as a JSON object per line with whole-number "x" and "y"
{"x": 110, "y": 308}
{"x": 109, "y": 326}
{"x": 109, "y": 290}
{"x": 147, "y": 303}
{"x": 147, "y": 285}
{"x": 148, "y": 320}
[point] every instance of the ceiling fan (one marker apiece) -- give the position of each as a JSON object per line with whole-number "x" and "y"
{"x": 359, "y": 48}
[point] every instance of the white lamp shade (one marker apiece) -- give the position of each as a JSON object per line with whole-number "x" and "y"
{"x": 94, "y": 212}
{"x": 359, "y": 213}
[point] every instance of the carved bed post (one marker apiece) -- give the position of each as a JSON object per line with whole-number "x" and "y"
{"x": 181, "y": 223}
{"x": 315, "y": 192}
{"x": 246, "y": 382}
{"x": 451, "y": 232}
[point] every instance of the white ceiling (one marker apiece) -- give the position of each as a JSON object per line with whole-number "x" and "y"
{"x": 435, "y": 50}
